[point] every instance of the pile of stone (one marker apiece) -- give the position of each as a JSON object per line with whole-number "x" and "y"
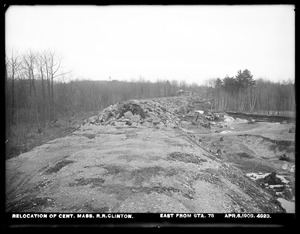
{"x": 158, "y": 112}
{"x": 148, "y": 113}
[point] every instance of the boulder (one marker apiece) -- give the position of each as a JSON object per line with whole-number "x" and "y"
{"x": 135, "y": 124}
{"x": 93, "y": 119}
{"x": 205, "y": 125}
{"x": 148, "y": 124}
{"x": 251, "y": 121}
{"x": 218, "y": 153}
{"x": 292, "y": 130}
{"x": 272, "y": 179}
{"x": 155, "y": 120}
{"x": 292, "y": 169}
{"x": 135, "y": 118}
{"x": 128, "y": 115}
{"x": 182, "y": 110}
{"x": 184, "y": 124}
{"x": 190, "y": 114}
{"x": 160, "y": 125}
{"x": 228, "y": 119}
{"x": 209, "y": 117}
{"x": 131, "y": 106}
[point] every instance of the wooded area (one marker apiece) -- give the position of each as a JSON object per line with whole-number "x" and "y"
{"x": 244, "y": 94}
{"x": 35, "y": 96}
{"x": 38, "y": 93}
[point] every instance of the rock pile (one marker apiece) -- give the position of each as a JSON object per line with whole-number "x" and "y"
{"x": 277, "y": 183}
{"x": 272, "y": 179}
{"x": 162, "y": 112}
{"x": 148, "y": 113}
{"x": 158, "y": 112}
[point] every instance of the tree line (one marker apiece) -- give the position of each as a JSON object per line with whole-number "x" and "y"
{"x": 37, "y": 91}
{"x": 244, "y": 94}
{"x": 29, "y": 80}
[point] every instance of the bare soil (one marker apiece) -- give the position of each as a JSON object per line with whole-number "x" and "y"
{"x": 159, "y": 169}
{"x": 258, "y": 148}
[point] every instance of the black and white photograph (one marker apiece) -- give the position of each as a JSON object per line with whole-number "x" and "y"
{"x": 176, "y": 110}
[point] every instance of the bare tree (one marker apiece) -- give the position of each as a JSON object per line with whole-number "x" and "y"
{"x": 12, "y": 65}
{"x": 42, "y": 67}
{"x": 52, "y": 66}
{"x": 30, "y": 66}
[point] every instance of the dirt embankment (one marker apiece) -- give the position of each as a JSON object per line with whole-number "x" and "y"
{"x": 138, "y": 156}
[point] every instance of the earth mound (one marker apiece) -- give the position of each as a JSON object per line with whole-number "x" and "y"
{"x": 138, "y": 156}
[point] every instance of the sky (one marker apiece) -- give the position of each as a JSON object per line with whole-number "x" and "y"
{"x": 190, "y": 43}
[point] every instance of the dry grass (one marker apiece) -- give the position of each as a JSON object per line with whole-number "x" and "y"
{"x": 24, "y": 137}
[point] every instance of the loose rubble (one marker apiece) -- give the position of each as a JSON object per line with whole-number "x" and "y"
{"x": 277, "y": 183}
{"x": 170, "y": 112}
{"x": 136, "y": 113}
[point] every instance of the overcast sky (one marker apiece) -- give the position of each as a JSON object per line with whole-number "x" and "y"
{"x": 191, "y": 43}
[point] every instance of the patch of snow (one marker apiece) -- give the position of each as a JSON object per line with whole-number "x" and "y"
{"x": 276, "y": 186}
{"x": 199, "y": 111}
{"x": 239, "y": 120}
{"x": 255, "y": 176}
{"x": 282, "y": 179}
{"x": 287, "y": 205}
{"x": 228, "y": 119}
{"x": 224, "y": 132}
